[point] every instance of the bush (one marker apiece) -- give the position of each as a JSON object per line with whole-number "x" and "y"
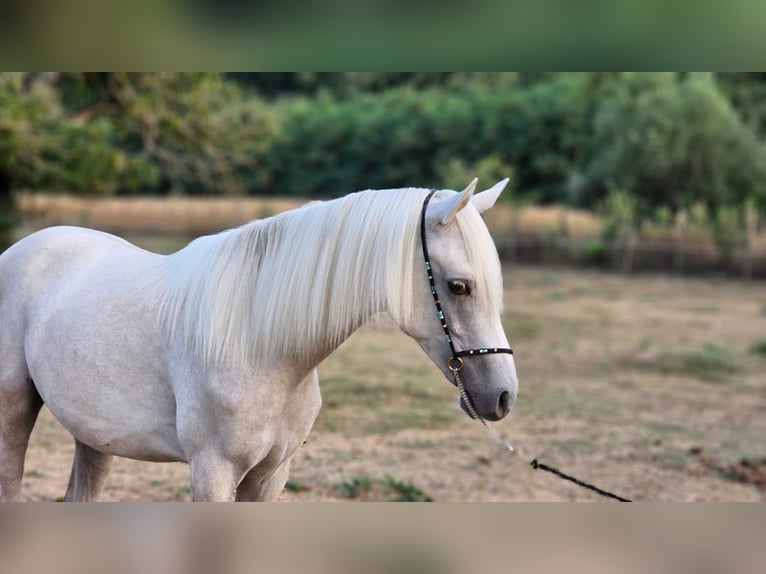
{"x": 42, "y": 147}
{"x": 456, "y": 173}
{"x": 759, "y": 347}
{"x": 672, "y": 140}
{"x": 327, "y": 147}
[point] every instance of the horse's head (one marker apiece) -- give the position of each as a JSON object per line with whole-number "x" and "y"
{"x": 466, "y": 296}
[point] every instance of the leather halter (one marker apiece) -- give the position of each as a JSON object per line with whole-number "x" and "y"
{"x": 455, "y": 362}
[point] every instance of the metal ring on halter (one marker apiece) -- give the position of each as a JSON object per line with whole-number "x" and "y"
{"x": 455, "y": 366}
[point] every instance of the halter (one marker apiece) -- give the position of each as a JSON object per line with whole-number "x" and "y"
{"x": 455, "y": 362}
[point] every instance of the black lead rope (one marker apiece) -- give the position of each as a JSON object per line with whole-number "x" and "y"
{"x": 455, "y": 365}
{"x": 577, "y": 481}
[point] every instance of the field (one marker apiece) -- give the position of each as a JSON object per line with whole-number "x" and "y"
{"x": 651, "y": 387}
{"x": 192, "y": 216}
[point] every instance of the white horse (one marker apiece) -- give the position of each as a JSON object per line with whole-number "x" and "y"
{"x": 208, "y": 356}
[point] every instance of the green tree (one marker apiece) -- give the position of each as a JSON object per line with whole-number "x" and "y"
{"x": 670, "y": 139}
{"x": 200, "y": 132}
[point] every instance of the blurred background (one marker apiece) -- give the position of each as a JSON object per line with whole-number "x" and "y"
{"x": 629, "y": 171}
{"x": 632, "y": 238}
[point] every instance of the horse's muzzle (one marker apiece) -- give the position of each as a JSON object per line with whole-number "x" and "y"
{"x": 502, "y": 407}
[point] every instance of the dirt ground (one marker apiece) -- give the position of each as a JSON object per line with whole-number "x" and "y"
{"x": 651, "y": 387}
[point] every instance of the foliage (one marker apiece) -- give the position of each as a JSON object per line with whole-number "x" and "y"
{"x": 40, "y": 147}
{"x": 362, "y": 485}
{"x": 455, "y": 173}
{"x": 619, "y": 214}
{"x": 667, "y": 140}
{"x": 406, "y": 491}
{"x": 672, "y": 140}
{"x": 346, "y": 84}
{"x": 728, "y": 229}
{"x": 296, "y": 486}
{"x": 759, "y": 347}
{"x": 199, "y": 131}
{"x": 413, "y": 137}
{"x": 356, "y": 485}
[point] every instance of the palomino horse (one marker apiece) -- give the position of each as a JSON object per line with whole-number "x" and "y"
{"x": 209, "y": 355}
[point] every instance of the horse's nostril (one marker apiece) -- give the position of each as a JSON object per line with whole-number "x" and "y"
{"x": 503, "y": 404}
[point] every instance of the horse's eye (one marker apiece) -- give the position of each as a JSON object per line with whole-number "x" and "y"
{"x": 458, "y": 287}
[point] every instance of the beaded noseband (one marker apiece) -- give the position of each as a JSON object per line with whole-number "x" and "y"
{"x": 455, "y": 362}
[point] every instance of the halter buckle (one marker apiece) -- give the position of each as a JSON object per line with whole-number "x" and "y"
{"x": 455, "y": 364}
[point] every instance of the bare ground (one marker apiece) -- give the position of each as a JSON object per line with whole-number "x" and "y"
{"x": 645, "y": 386}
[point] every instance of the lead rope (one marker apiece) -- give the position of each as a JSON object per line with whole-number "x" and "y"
{"x": 539, "y": 465}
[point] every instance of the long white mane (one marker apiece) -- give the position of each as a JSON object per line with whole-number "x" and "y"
{"x": 305, "y": 279}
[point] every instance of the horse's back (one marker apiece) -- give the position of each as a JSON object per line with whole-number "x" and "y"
{"x": 58, "y": 252}
{"x": 44, "y": 266}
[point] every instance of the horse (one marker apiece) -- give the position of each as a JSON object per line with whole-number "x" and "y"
{"x": 208, "y": 356}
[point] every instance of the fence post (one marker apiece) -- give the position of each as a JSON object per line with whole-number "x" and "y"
{"x": 751, "y": 228}
{"x": 515, "y": 226}
{"x": 678, "y": 242}
{"x": 629, "y": 246}
{"x": 562, "y": 246}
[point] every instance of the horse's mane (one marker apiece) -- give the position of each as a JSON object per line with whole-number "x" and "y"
{"x": 303, "y": 280}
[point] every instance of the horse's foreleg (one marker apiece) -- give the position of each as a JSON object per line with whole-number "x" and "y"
{"x": 254, "y": 487}
{"x": 19, "y": 406}
{"x": 89, "y": 471}
{"x": 212, "y": 479}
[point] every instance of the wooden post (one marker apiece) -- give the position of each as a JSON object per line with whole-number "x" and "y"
{"x": 751, "y": 229}
{"x": 515, "y": 228}
{"x": 562, "y": 238}
{"x": 678, "y": 242}
{"x": 629, "y": 246}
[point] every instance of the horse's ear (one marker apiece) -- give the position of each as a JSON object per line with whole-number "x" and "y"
{"x": 450, "y": 207}
{"x": 483, "y": 200}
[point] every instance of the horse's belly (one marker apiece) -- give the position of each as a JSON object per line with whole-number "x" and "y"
{"x": 122, "y": 428}
{"x": 114, "y": 420}
{"x": 113, "y": 398}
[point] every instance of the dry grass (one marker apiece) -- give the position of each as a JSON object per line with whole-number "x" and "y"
{"x": 614, "y": 390}
{"x": 182, "y": 216}
{"x": 191, "y": 216}
{"x": 545, "y": 220}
